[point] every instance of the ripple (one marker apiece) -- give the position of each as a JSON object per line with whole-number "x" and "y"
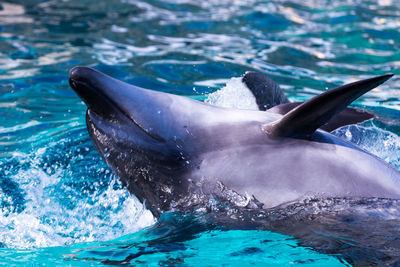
{"x": 54, "y": 188}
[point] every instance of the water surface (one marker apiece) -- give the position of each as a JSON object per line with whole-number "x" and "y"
{"x": 59, "y": 203}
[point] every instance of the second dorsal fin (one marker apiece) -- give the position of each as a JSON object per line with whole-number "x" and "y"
{"x": 314, "y": 113}
{"x": 266, "y": 92}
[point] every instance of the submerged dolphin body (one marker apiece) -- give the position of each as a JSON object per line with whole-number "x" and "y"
{"x": 171, "y": 150}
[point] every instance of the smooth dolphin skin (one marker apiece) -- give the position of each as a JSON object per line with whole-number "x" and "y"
{"x": 171, "y": 150}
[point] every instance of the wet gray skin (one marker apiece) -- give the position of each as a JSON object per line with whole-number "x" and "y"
{"x": 169, "y": 148}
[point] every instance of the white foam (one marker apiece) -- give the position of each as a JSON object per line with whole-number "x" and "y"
{"x": 54, "y": 214}
{"x": 383, "y": 144}
{"x": 235, "y": 94}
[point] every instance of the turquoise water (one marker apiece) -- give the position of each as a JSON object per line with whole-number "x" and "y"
{"x": 59, "y": 203}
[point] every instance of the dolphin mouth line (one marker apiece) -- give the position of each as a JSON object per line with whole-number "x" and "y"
{"x": 75, "y": 83}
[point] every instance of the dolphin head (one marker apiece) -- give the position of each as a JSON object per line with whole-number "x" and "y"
{"x": 138, "y": 134}
{"x": 117, "y": 102}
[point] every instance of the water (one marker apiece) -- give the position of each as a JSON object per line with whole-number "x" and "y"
{"x": 60, "y": 204}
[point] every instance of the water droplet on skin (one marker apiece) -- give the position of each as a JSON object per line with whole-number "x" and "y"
{"x": 348, "y": 135}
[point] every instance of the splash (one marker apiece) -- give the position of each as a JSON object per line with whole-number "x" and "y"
{"x": 57, "y": 200}
{"x": 383, "y": 144}
{"x": 235, "y": 94}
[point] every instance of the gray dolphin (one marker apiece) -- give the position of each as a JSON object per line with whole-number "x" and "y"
{"x": 171, "y": 150}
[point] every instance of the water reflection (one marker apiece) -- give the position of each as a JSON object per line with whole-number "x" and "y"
{"x": 185, "y": 47}
{"x": 12, "y": 13}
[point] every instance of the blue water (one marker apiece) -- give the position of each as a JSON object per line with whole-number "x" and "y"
{"x": 60, "y": 204}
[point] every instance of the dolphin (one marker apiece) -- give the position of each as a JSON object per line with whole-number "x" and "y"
{"x": 172, "y": 151}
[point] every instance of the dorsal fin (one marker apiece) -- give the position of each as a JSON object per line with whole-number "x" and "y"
{"x": 270, "y": 97}
{"x": 314, "y": 113}
{"x": 346, "y": 117}
{"x": 266, "y": 91}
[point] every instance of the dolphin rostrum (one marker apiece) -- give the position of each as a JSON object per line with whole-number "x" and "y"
{"x": 171, "y": 150}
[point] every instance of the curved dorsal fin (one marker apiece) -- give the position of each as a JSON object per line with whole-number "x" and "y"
{"x": 346, "y": 117}
{"x": 314, "y": 113}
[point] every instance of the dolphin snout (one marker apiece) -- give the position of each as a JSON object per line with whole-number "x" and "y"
{"x": 85, "y": 75}
{"x": 74, "y": 73}
{"x": 80, "y": 73}
{"x": 79, "y": 80}
{"x": 115, "y": 100}
{"x": 90, "y": 86}
{"x": 78, "y": 77}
